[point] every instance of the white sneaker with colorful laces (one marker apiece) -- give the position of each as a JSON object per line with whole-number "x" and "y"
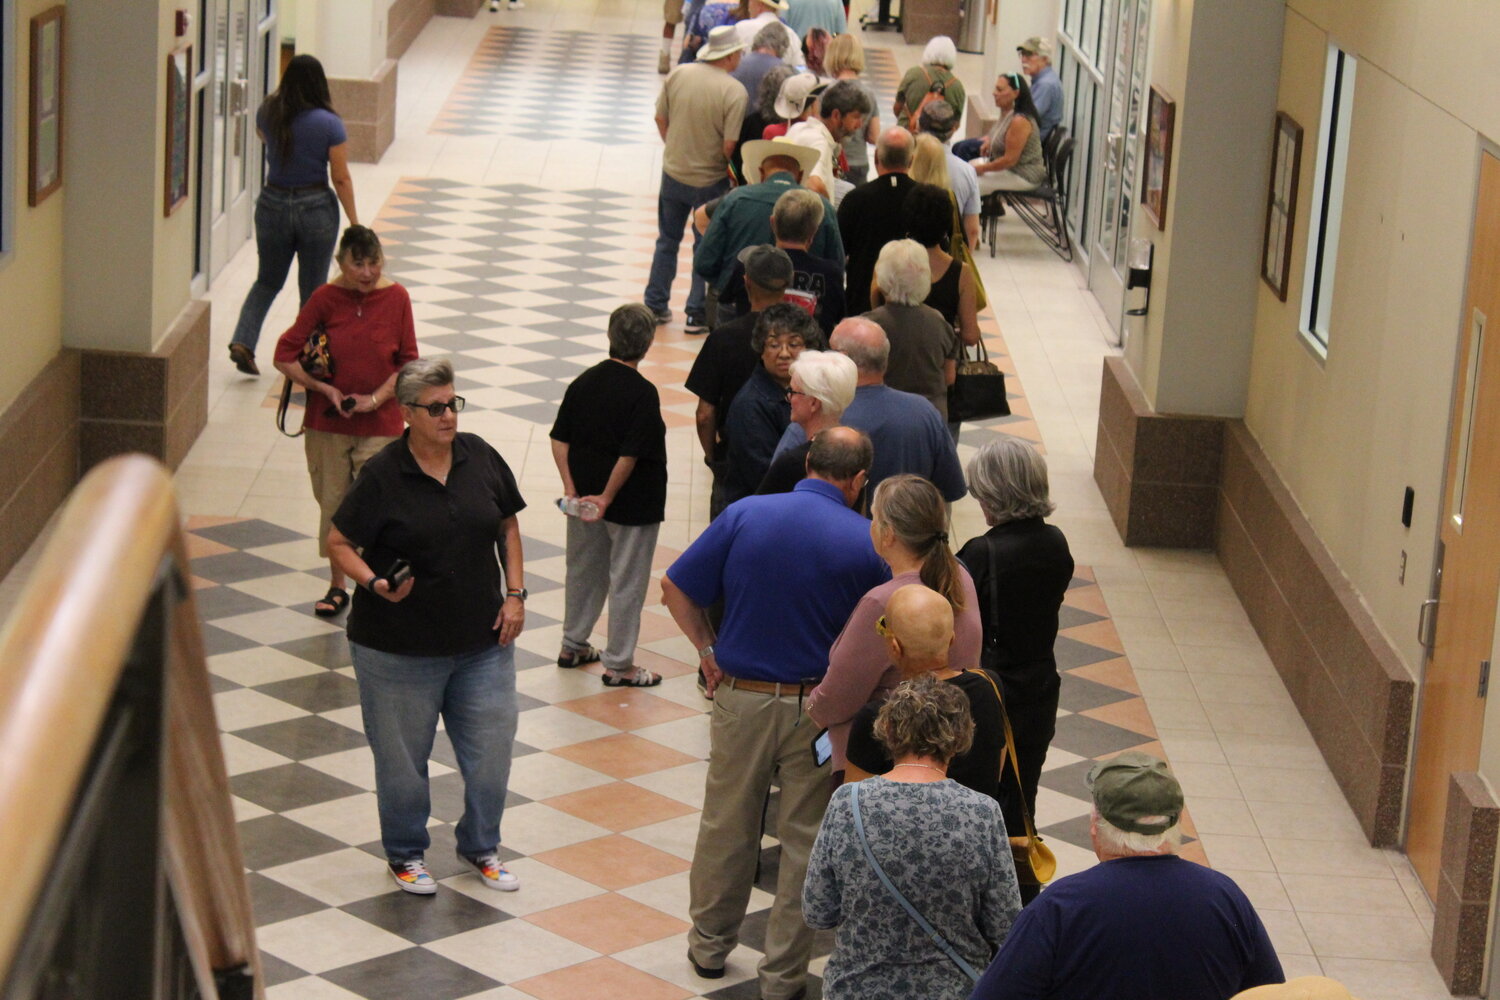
{"x": 412, "y": 876}
{"x": 490, "y": 871}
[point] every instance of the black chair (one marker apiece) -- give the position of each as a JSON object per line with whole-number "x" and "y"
{"x": 1045, "y": 207}
{"x": 1050, "y": 144}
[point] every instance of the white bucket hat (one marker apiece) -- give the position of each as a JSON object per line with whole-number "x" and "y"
{"x": 722, "y": 41}
{"x": 796, "y": 94}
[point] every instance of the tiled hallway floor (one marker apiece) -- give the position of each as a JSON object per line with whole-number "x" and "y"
{"x": 519, "y": 216}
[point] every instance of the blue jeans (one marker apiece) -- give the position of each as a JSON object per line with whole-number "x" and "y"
{"x": 674, "y": 205}
{"x": 967, "y": 149}
{"x": 401, "y": 698}
{"x": 305, "y": 223}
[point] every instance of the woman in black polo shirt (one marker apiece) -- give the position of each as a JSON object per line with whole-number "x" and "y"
{"x": 440, "y": 640}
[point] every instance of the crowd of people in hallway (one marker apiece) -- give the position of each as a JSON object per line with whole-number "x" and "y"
{"x": 894, "y": 688}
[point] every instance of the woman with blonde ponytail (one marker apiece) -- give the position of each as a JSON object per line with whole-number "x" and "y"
{"x": 909, "y": 527}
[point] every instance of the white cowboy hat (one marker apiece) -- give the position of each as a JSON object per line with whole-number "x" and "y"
{"x": 722, "y": 41}
{"x": 757, "y": 151}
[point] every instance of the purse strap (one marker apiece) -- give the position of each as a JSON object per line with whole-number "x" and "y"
{"x": 927, "y": 928}
{"x": 1010, "y": 738}
{"x": 984, "y": 354}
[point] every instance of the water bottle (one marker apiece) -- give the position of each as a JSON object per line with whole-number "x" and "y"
{"x": 574, "y": 507}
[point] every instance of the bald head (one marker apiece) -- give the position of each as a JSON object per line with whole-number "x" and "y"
{"x": 893, "y": 152}
{"x": 921, "y": 619}
{"x": 865, "y": 343}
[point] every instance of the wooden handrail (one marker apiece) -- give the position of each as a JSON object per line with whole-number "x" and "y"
{"x": 62, "y": 653}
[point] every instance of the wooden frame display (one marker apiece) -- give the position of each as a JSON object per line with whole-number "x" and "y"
{"x": 1160, "y": 117}
{"x": 179, "y": 126}
{"x": 1281, "y": 204}
{"x": 44, "y": 123}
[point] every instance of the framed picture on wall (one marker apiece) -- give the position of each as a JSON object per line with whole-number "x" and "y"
{"x": 1281, "y": 204}
{"x": 44, "y": 146}
{"x": 179, "y": 126}
{"x": 1161, "y": 115}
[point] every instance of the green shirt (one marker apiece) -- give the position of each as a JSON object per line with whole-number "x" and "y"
{"x": 743, "y": 219}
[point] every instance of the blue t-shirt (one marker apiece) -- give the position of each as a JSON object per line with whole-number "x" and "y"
{"x": 1047, "y": 95}
{"x": 314, "y": 132}
{"x": 1141, "y": 928}
{"x": 790, "y": 567}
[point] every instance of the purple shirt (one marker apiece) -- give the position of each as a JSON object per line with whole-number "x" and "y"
{"x": 314, "y": 132}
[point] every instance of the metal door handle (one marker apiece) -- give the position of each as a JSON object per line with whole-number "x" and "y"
{"x": 239, "y": 96}
{"x": 1116, "y": 143}
{"x": 1427, "y": 622}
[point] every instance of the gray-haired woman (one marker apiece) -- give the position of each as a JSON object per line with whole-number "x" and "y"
{"x": 1021, "y": 569}
{"x": 434, "y": 622}
{"x": 943, "y": 846}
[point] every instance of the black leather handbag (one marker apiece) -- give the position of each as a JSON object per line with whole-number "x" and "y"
{"x": 978, "y": 390}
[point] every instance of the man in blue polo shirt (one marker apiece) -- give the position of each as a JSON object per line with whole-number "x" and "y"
{"x": 790, "y": 568}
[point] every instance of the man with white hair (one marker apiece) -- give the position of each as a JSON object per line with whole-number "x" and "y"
{"x": 822, "y": 388}
{"x": 762, "y": 13}
{"x": 924, "y": 346}
{"x": 1143, "y": 924}
{"x": 907, "y": 433}
{"x": 934, "y": 75}
{"x": 1046, "y": 88}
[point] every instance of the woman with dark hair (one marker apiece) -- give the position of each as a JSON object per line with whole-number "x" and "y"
{"x": 297, "y": 213}
{"x": 909, "y": 528}
{"x": 353, "y": 415}
{"x": 928, "y": 215}
{"x": 1013, "y": 150}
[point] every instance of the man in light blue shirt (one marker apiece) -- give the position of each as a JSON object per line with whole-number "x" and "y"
{"x": 804, "y": 15}
{"x": 1046, "y": 88}
{"x": 938, "y": 120}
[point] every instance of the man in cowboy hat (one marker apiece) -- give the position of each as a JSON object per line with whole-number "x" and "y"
{"x": 1143, "y": 924}
{"x": 762, "y": 13}
{"x": 1046, "y": 88}
{"x": 698, "y": 114}
{"x": 742, "y": 218}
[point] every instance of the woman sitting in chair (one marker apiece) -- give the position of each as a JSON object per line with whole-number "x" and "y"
{"x": 1012, "y": 152}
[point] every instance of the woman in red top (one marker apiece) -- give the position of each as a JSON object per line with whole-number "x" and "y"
{"x": 351, "y": 417}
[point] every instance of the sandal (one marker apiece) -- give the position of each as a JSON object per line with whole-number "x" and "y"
{"x": 331, "y": 603}
{"x": 635, "y": 677}
{"x": 578, "y": 657}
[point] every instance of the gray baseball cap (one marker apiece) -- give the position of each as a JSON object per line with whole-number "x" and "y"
{"x": 767, "y": 266}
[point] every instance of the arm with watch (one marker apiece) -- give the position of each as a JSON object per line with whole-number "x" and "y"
{"x": 393, "y": 587}
{"x": 693, "y": 620}
{"x": 512, "y": 616}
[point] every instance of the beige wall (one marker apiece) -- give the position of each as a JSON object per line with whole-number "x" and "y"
{"x": 172, "y": 242}
{"x": 1349, "y": 434}
{"x": 31, "y": 279}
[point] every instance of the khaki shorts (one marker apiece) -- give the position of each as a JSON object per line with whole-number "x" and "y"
{"x": 333, "y": 460}
{"x": 671, "y": 11}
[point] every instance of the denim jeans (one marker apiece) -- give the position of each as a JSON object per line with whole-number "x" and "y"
{"x": 967, "y": 149}
{"x": 401, "y": 698}
{"x": 304, "y": 223}
{"x": 674, "y": 205}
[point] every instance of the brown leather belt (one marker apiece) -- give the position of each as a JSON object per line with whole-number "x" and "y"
{"x": 767, "y": 687}
{"x": 299, "y": 189}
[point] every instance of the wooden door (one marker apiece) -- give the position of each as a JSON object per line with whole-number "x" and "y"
{"x": 1451, "y": 710}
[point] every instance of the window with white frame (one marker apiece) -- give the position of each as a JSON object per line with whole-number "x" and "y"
{"x": 1328, "y": 198}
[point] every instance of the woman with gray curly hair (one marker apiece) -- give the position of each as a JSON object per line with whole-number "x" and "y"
{"x": 941, "y": 845}
{"x": 1021, "y": 569}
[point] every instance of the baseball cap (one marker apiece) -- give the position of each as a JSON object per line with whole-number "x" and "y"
{"x": 1132, "y": 786}
{"x": 1036, "y": 46}
{"x": 767, "y": 266}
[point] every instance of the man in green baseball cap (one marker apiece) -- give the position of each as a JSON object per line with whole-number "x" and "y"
{"x": 1143, "y": 924}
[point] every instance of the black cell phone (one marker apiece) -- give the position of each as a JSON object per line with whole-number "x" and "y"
{"x": 398, "y": 574}
{"x": 822, "y": 748}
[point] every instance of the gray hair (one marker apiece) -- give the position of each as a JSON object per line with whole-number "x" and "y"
{"x": 846, "y": 96}
{"x": 785, "y": 319}
{"x": 925, "y": 717}
{"x": 632, "y": 327}
{"x": 423, "y": 373}
{"x": 1009, "y": 479}
{"x": 797, "y": 215}
{"x": 941, "y": 52}
{"x": 838, "y": 454}
{"x": 770, "y": 89}
{"x": 828, "y": 377}
{"x": 771, "y": 38}
{"x": 938, "y": 119}
{"x": 1113, "y": 840}
{"x": 894, "y": 149}
{"x": 870, "y": 353}
{"x": 903, "y": 272}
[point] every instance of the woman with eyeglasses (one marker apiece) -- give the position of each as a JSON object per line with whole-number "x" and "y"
{"x": 353, "y": 415}
{"x": 1012, "y": 152}
{"x": 909, "y": 528}
{"x": 434, "y": 623}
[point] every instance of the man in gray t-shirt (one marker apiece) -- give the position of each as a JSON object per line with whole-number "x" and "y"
{"x": 698, "y": 114}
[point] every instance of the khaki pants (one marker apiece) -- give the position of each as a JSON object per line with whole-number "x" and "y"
{"x": 751, "y": 737}
{"x": 333, "y": 460}
{"x": 671, "y": 11}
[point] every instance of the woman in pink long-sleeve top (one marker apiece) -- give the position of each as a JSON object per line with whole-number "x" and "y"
{"x": 909, "y": 526}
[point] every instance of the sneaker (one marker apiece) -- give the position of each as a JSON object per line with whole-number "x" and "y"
{"x": 489, "y": 869}
{"x": 662, "y": 316}
{"x": 664, "y": 63}
{"x": 494, "y": 6}
{"x": 516, "y": 5}
{"x": 695, "y": 323}
{"x": 412, "y": 876}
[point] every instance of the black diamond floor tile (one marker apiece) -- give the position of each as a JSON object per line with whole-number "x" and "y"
{"x": 415, "y": 972}
{"x": 268, "y": 841}
{"x": 217, "y": 641}
{"x": 1086, "y": 737}
{"x": 421, "y": 921}
{"x": 331, "y": 649}
{"x": 322, "y": 692}
{"x": 1071, "y": 653}
{"x": 303, "y": 737}
{"x": 289, "y": 786}
{"x": 247, "y": 534}
{"x": 1079, "y": 694}
{"x": 272, "y": 902}
{"x": 224, "y": 602}
{"x": 234, "y": 567}
{"x": 1069, "y": 617}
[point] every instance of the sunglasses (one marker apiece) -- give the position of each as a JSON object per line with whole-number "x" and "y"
{"x": 882, "y": 629}
{"x": 790, "y": 392}
{"x": 435, "y": 410}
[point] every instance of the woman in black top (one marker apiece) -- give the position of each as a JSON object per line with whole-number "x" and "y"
{"x": 1021, "y": 569}
{"x": 437, "y": 636}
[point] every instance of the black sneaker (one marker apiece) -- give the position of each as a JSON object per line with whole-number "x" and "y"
{"x": 696, "y": 323}
{"x": 663, "y": 316}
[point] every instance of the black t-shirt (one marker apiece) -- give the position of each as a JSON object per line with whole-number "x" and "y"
{"x": 979, "y": 769}
{"x": 722, "y": 367}
{"x": 448, "y": 533}
{"x": 786, "y": 471}
{"x": 814, "y": 280}
{"x": 869, "y": 218}
{"x": 609, "y": 412}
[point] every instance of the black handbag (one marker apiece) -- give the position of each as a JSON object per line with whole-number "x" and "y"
{"x": 978, "y": 389}
{"x": 317, "y": 360}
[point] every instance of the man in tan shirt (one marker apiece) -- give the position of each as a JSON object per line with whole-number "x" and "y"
{"x": 698, "y": 114}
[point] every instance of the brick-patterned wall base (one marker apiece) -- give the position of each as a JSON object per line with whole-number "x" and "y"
{"x": 38, "y": 455}
{"x": 368, "y": 108}
{"x": 404, "y": 22}
{"x": 1466, "y": 879}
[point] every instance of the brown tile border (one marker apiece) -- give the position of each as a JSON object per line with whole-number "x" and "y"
{"x": 1460, "y": 930}
{"x": 458, "y": 8}
{"x": 38, "y": 454}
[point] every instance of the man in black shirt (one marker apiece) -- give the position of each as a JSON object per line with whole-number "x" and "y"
{"x": 610, "y": 446}
{"x": 870, "y": 215}
{"x": 817, "y": 284}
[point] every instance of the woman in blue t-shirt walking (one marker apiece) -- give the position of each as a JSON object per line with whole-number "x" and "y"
{"x": 296, "y": 212}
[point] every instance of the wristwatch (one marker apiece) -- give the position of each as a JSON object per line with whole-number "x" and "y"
{"x": 521, "y": 593}
{"x": 706, "y": 652}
